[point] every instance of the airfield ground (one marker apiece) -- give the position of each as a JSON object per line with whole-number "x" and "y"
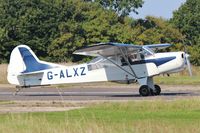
{"x": 99, "y": 108}
{"x": 102, "y": 107}
{"x": 77, "y": 96}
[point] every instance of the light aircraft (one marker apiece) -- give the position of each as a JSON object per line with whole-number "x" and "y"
{"x": 112, "y": 62}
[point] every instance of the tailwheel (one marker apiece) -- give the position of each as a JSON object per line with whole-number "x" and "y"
{"x": 144, "y": 90}
{"x": 157, "y": 90}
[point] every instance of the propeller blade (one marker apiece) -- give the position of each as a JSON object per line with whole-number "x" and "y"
{"x": 188, "y": 64}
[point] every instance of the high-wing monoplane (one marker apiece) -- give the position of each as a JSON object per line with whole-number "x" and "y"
{"x": 112, "y": 62}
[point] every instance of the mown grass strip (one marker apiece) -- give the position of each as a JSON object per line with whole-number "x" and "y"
{"x": 178, "y": 80}
{"x": 148, "y": 116}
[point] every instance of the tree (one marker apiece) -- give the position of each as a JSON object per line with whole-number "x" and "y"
{"x": 121, "y": 7}
{"x": 54, "y": 29}
{"x": 156, "y": 30}
{"x": 187, "y": 20}
{"x": 33, "y": 23}
{"x": 88, "y": 25}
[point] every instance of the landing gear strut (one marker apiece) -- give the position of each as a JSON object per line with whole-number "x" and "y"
{"x": 147, "y": 91}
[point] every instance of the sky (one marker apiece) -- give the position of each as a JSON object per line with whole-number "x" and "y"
{"x": 158, "y": 8}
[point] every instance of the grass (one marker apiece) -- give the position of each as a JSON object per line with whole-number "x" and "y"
{"x": 3, "y": 73}
{"x": 181, "y": 116}
{"x": 178, "y": 80}
{"x": 2, "y": 102}
{"x": 182, "y": 78}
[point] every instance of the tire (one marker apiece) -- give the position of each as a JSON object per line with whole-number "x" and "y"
{"x": 157, "y": 89}
{"x": 144, "y": 90}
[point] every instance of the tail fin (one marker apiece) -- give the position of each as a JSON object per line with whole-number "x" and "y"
{"x": 22, "y": 61}
{"x": 31, "y": 61}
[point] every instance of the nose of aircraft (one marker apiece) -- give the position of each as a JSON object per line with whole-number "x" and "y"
{"x": 187, "y": 62}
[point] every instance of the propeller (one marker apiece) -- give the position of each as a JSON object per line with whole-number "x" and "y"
{"x": 188, "y": 63}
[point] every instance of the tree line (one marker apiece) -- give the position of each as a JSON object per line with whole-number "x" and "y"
{"x": 54, "y": 29}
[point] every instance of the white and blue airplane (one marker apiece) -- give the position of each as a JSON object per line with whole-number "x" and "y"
{"x": 112, "y": 62}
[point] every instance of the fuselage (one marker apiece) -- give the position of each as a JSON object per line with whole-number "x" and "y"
{"x": 25, "y": 69}
{"x": 103, "y": 70}
{"x": 168, "y": 62}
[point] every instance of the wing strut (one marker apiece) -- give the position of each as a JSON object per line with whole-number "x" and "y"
{"x": 127, "y": 61}
{"x": 117, "y": 65}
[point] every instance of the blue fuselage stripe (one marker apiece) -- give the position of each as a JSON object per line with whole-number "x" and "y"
{"x": 157, "y": 62}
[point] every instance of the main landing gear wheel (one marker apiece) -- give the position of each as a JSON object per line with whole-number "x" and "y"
{"x": 144, "y": 90}
{"x": 157, "y": 90}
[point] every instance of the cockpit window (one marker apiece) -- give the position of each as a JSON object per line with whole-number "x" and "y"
{"x": 132, "y": 58}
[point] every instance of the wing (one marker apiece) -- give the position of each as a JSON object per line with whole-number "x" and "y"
{"x": 110, "y": 49}
{"x": 107, "y": 49}
{"x": 158, "y": 46}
